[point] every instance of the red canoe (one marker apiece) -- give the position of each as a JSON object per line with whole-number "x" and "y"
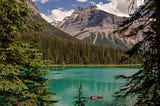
{"x": 95, "y": 98}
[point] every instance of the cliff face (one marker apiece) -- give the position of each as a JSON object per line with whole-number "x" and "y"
{"x": 95, "y": 26}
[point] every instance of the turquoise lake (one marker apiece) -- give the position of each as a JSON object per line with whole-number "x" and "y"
{"x": 95, "y": 81}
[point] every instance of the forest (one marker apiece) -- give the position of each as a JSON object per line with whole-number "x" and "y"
{"x": 64, "y": 51}
{"x": 61, "y": 48}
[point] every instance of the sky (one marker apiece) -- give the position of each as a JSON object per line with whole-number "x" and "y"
{"x": 59, "y": 9}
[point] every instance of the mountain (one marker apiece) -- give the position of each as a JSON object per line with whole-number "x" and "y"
{"x": 48, "y": 29}
{"x": 95, "y": 26}
{"x": 62, "y": 48}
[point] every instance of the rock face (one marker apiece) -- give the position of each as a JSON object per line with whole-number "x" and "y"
{"x": 95, "y": 26}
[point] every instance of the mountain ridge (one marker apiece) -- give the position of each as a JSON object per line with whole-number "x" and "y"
{"x": 95, "y": 26}
{"x": 61, "y": 48}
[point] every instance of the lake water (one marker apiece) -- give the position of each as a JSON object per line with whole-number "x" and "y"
{"x": 95, "y": 81}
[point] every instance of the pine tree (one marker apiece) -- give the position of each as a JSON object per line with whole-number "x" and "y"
{"x": 22, "y": 72}
{"x": 80, "y": 99}
{"x": 143, "y": 85}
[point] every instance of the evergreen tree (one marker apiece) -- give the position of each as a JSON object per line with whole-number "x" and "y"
{"x": 22, "y": 76}
{"x": 143, "y": 85}
{"x": 80, "y": 99}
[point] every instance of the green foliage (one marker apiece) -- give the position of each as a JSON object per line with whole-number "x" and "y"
{"x": 80, "y": 99}
{"x": 144, "y": 85}
{"x": 22, "y": 76}
{"x": 64, "y": 51}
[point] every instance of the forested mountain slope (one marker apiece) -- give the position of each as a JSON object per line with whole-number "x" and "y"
{"x": 61, "y": 48}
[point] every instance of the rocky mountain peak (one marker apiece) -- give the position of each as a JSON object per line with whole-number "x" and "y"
{"x": 78, "y": 9}
{"x": 91, "y": 8}
{"x": 83, "y": 14}
{"x": 87, "y": 9}
{"x": 88, "y": 17}
{"x": 95, "y": 26}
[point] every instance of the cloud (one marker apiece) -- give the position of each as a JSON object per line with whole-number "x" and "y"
{"x": 42, "y": 1}
{"x": 57, "y": 14}
{"x": 82, "y": 1}
{"x": 93, "y": 3}
{"x": 47, "y": 18}
{"x": 118, "y": 7}
{"x": 140, "y": 2}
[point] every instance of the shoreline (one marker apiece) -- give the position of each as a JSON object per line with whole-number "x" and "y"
{"x": 97, "y": 65}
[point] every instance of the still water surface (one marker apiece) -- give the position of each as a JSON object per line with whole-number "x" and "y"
{"x": 95, "y": 80}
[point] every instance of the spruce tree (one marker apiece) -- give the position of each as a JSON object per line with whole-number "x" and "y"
{"x": 80, "y": 100}
{"x": 22, "y": 72}
{"x": 145, "y": 84}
